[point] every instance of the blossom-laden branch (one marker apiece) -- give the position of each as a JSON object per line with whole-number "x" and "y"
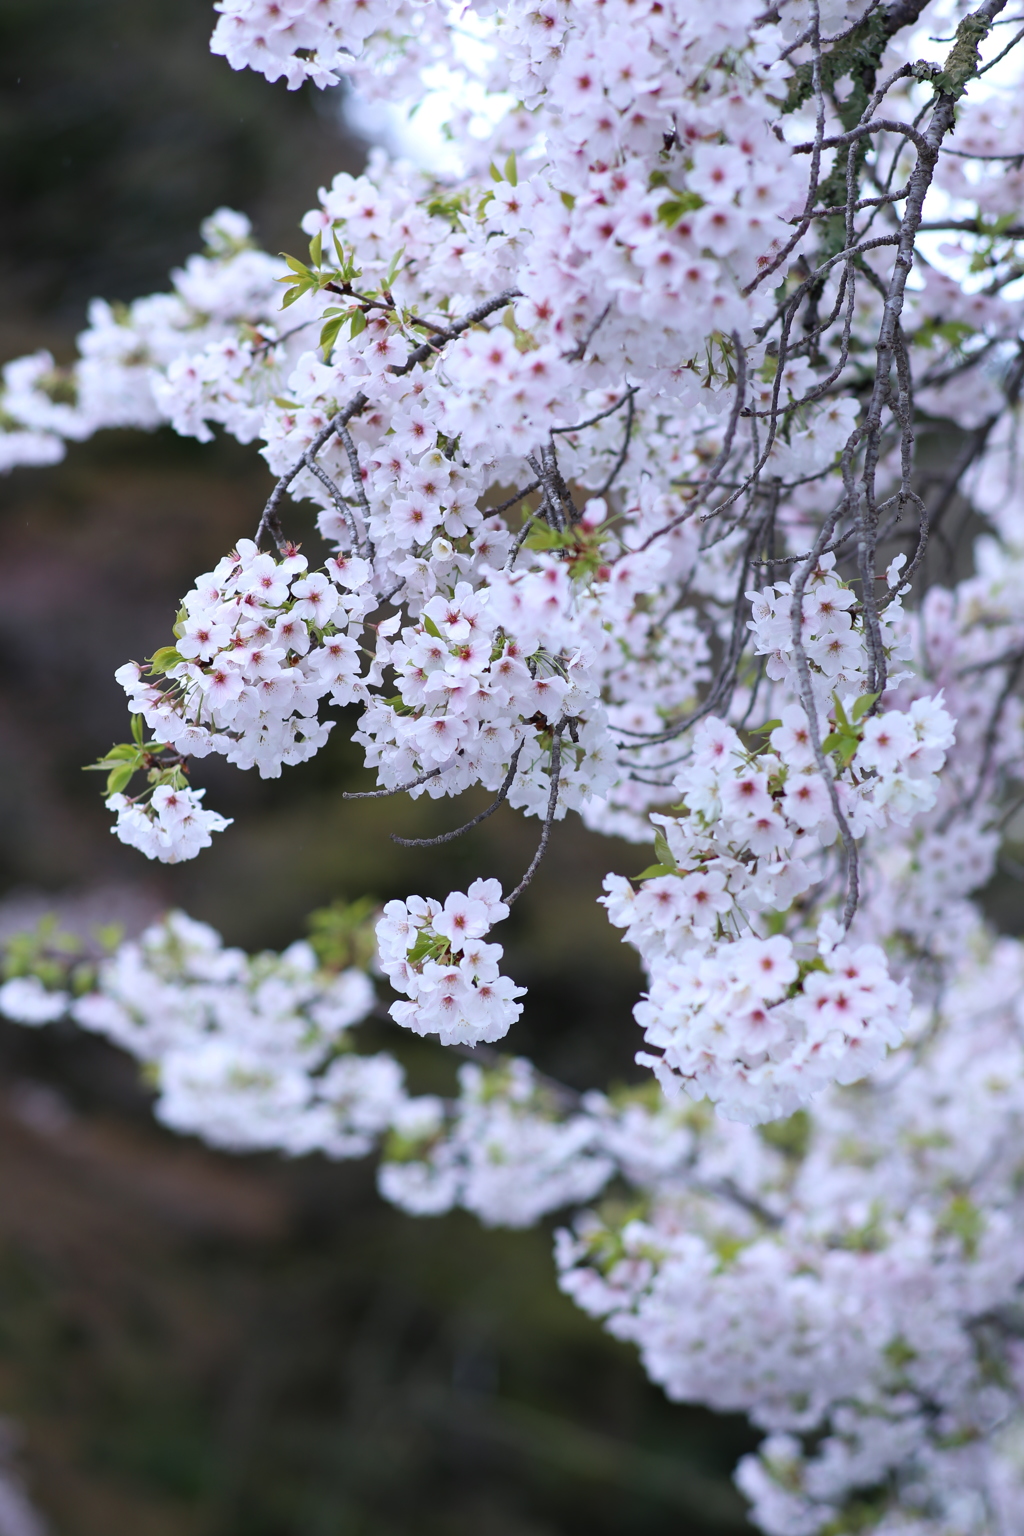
{"x": 613, "y": 441}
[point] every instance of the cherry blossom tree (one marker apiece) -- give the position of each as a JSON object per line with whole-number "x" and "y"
{"x": 613, "y": 440}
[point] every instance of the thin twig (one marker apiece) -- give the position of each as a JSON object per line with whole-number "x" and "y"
{"x": 512, "y": 500}
{"x": 447, "y": 837}
{"x": 336, "y": 496}
{"x": 399, "y": 789}
{"x": 556, "y": 775}
{"x": 623, "y": 454}
{"x": 593, "y": 420}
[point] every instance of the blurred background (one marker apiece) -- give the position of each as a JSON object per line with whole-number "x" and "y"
{"x": 193, "y": 1344}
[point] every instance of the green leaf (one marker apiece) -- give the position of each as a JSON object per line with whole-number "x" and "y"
{"x": 329, "y": 335}
{"x": 511, "y": 173}
{"x": 431, "y": 628}
{"x": 137, "y": 732}
{"x": 299, "y": 267}
{"x": 840, "y": 711}
{"x": 764, "y": 730}
{"x": 843, "y": 743}
{"x": 679, "y": 204}
{"x": 568, "y": 200}
{"x": 495, "y": 173}
{"x": 426, "y": 946}
{"x": 863, "y": 704}
{"x": 316, "y": 249}
{"x": 294, "y": 293}
{"x": 963, "y": 1219}
{"x": 358, "y": 323}
{"x": 393, "y": 266}
{"x": 119, "y": 778}
{"x": 164, "y": 659}
{"x": 791, "y": 1137}
{"x": 663, "y": 851}
{"x": 449, "y": 207}
{"x": 545, "y": 538}
{"x": 342, "y": 934}
{"x": 108, "y": 935}
{"x": 653, "y": 870}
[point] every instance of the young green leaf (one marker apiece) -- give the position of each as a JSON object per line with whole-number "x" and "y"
{"x": 680, "y": 203}
{"x": 329, "y": 334}
{"x": 393, "y": 266}
{"x": 663, "y": 851}
{"x": 297, "y": 266}
{"x": 164, "y": 659}
{"x": 119, "y": 778}
{"x": 863, "y": 704}
{"x": 653, "y": 870}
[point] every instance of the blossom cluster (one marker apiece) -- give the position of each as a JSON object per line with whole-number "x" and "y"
{"x": 851, "y": 1303}
{"x": 758, "y": 1032}
{"x": 258, "y": 643}
{"x": 319, "y": 40}
{"x": 170, "y": 825}
{"x": 483, "y": 682}
{"x": 436, "y": 956}
{"x": 832, "y": 634}
{"x": 211, "y": 350}
{"x": 248, "y": 1051}
{"x": 755, "y": 1022}
{"x": 506, "y": 1150}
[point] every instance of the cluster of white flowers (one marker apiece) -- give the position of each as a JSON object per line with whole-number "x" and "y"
{"x": 25, "y": 1000}
{"x": 436, "y": 956}
{"x": 832, "y": 631}
{"x": 757, "y": 1032}
{"x": 259, "y": 642}
{"x": 754, "y": 1021}
{"x": 255, "y": 1052}
{"x": 170, "y": 826}
{"x": 557, "y": 416}
{"x": 851, "y": 1278}
{"x": 478, "y": 706}
{"x": 212, "y": 350}
{"x": 248, "y": 1051}
{"x": 506, "y": 1150}
{"x": 322, "y": 40}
